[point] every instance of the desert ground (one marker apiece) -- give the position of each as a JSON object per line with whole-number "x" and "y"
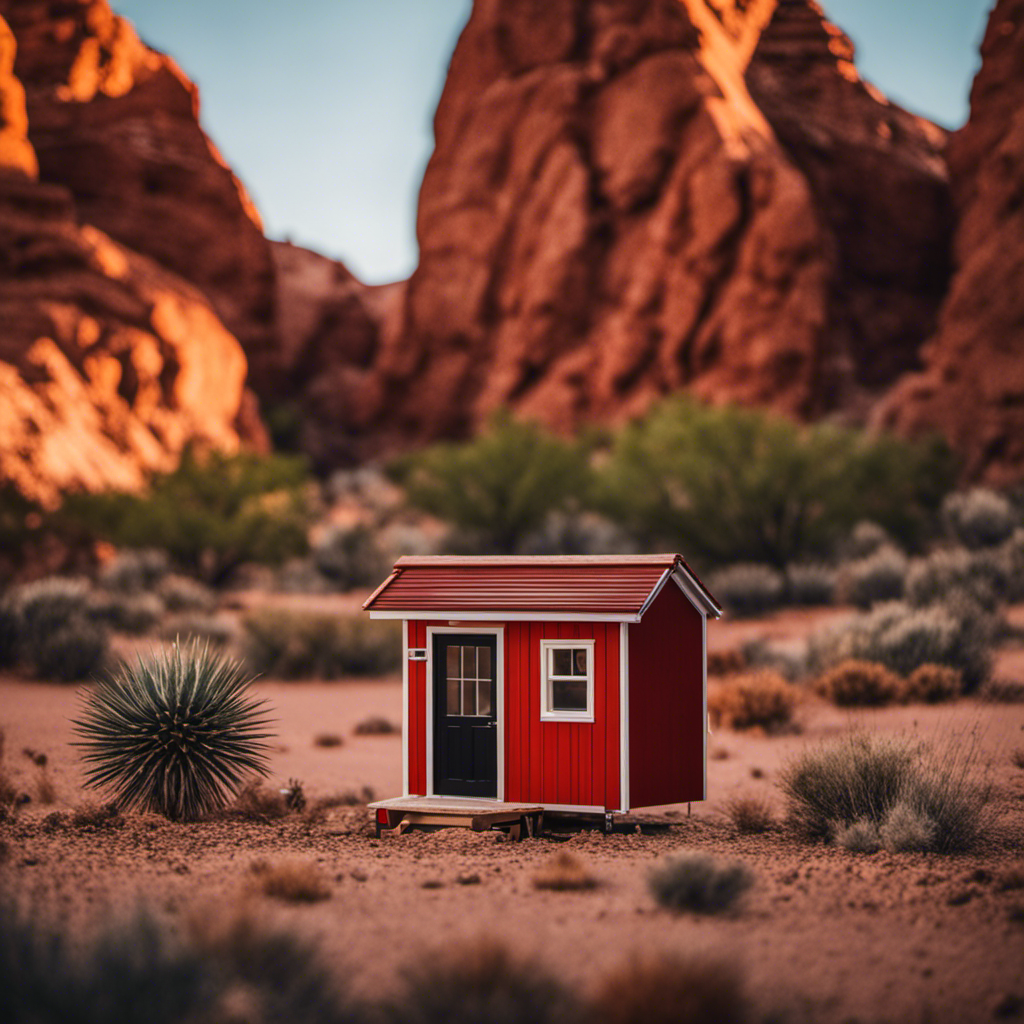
{"x": 822, "y": 935}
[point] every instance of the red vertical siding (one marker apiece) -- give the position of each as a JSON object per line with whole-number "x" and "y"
{"x": 666, "y": 703}
{"x": 417, "y": 713}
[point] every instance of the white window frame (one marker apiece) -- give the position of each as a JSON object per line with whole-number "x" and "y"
{"x": 546, "y": 646}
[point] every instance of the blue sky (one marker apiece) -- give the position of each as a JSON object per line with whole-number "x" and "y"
{"x": 323, "y": 108}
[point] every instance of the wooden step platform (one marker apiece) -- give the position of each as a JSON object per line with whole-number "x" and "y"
{"x": 403, "y": 812}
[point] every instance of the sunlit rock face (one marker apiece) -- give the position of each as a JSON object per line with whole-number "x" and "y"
{"x": 628, "y": 198}
{"x": 972, "y": 385}
{"x": 117, "y": 124}
{"x": 109, "y": 364}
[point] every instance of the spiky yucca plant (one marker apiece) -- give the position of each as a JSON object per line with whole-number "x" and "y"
{"x": 176, "y": 732}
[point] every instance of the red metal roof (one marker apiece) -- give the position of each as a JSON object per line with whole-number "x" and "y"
{"x": 577, "y": 584}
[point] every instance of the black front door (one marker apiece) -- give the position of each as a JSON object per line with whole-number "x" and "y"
{"x": 465, "y": 714}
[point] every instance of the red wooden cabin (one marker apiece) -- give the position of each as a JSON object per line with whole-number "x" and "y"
{"x": 567, "y": 683}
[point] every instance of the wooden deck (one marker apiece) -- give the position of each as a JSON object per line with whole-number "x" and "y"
{"x": 403, "y": 812}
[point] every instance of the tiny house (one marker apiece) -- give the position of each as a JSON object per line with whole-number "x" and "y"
{"x": 562, "y": 683}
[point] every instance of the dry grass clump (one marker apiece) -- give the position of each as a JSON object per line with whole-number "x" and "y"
{"x": 699, "y": 883}
{"x": 757, "y": 699}
{"x": 857, "y": 683}
{"x": 933, "y": 684}
{"x": 349, "y": 798}
{"x": 376, "y": 725}
{"x": 912, "y": 796}
{"x": 291, "y": 881}
{"x": 481, "y": 983}
{"x": 256, "y": 802}
{"x": 750, "y": 814}
{"x": 726, "y": 663}
{"x": 672, "y": 989}
{"x": 564, "y": 873}
{"x": 97, "y": 816}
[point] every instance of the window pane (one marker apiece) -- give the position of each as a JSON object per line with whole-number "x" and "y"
{"x": 469, "y": 663}
{"x": 561, "y": 662}
{"x": 483, "y": 655}
{"x": 579, "y": 662}
{"x": 483, "y": 689}
{"x": 454, "y": 670}
{"x": 454, "y": 697}
{"x": 469, "y": 698}
{"x": 569, "y": 695}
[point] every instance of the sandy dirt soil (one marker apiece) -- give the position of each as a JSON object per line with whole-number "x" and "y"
{"x": 823, "y": 935}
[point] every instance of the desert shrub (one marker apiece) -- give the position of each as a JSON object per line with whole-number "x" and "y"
{"x": 979, "y": 518}
{"x": 907, "y": 828}
{"x": 577, "y": 533}
{"x": 74, "y": 651}
{"x": 932, "y": 684}
{"x": 134, "y": 571}
{"x": 748, "y": 588}
{"x": 727, "y": 484}
{"x": 478, "y": 982}
{"x": 127, "y": 612}
{"x": 177, "y": 732}
{"x": 671, "y": 990}
{"x": 501, "y": 485}
{"x": 255, "y": 802}
{"x": 564, "y": 872}
{"x": 291, "y": 881}
{"x": 864, "y": 778}
{"x": 860, "y": 836}
{"x": 757, "y": 699}
{"x": 750, "y": 814}
{"x": 878, "y": 577}
{"x": 699, "y": 883}
{"x": 207, "y": 628}
{"x": 300, "y": 576}
{"x": 1002, "y": 691}
{"x": 185, "y": 594}
{"x": 810, "y": 584}
{"x": 865, "y": 539}
{"x": 210, "y": 514}
{"x": 902, "y": 638}
{"x": 376, "y": 725}
{"x": 350, "y": 557}
{"x": 48, "y": 604}
{"x": 10, "y": 633}
{"x": 298, "y": 645}
{"x": 1011, "y": 555}
{"x": 727, "y": 662}
{"x": 854, "y": 683}
{"x": 981, "y": 574}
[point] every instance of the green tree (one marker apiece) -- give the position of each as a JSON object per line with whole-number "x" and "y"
{"x": 731, "y": 484}
{"x": 212, "y": 513}
{"x": 499, "y": 486}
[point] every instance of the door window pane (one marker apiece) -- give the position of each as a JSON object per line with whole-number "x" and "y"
{"x": 469, "y": 698}
{"x": 454, "y": 667}
{"x": 454, "y": 697}
{"x": 469, "y": 663}
{"x": 483, "y": 655}
{"x": 483, "y": 690}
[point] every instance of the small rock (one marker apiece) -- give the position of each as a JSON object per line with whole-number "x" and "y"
{"x": 359, "y": 876}
{"x": 432, "y": 883}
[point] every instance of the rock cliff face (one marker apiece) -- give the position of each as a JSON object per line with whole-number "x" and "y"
{"x": 972, "y": 386}
{"x": 109, "y": 364}
{"x": 117, "y": 124}
{"x": 627, "y": 198}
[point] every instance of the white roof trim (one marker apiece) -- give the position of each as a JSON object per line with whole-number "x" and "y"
{"x": 430, "y": 615}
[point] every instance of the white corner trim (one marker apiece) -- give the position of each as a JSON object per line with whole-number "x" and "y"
{"x": 498, "y": 632}
{"x": 405, "y": 707}
{"x": 624, "y": 716}
{"x": 547, "y": 645}
{"x": 704, "y": 727}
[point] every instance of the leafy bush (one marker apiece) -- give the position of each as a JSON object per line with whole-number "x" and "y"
{"x": 854, "y": 683}
{"x": 1002, "y": 691}
{"x": 176, "y": 733}
{"x": 207, "y": 628}
{"x": 810, "y": 584}
{"x": 501, "y": 485}
{"x": 878, "y": 577}
{"x": 10, "y": 633}
{"x": 933, "y": 684}
{"x": 130, "y": 572}
{"x": 577, "y": 533}
{"x": 757, "y": 699}
{"x": 982, "y": 574}
{"x": 979, "y": 518}
{"x": 751, "y": 815}
{"x": 865, "y": 539}
{"x": 129, "y": 613}
{"x": 48, "y": 604}
{"x": 1012, "y": 559}
{"x": 671, "y": 990}
{"x": 880, "y": 781}
{"x": 185, "y": 594}
{"x": 74, "y": 651}
{"x": 699, "y": 883}
{"x": 210, "y": 514}
{"x": 298, "y": 645}
{"x": 902, "y": 638}
{"x": 481, "y": 982}
{"x": 747, "y": 588}
{"x": 350, "y": 557}
{"x": 728, "y": 484}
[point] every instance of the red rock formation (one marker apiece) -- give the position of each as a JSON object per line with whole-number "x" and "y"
{"x": 972, "y": 387}
{"x": 109, "y": 364}
{"x": 117, "y": 124}
{"x": 609, "y": 216}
